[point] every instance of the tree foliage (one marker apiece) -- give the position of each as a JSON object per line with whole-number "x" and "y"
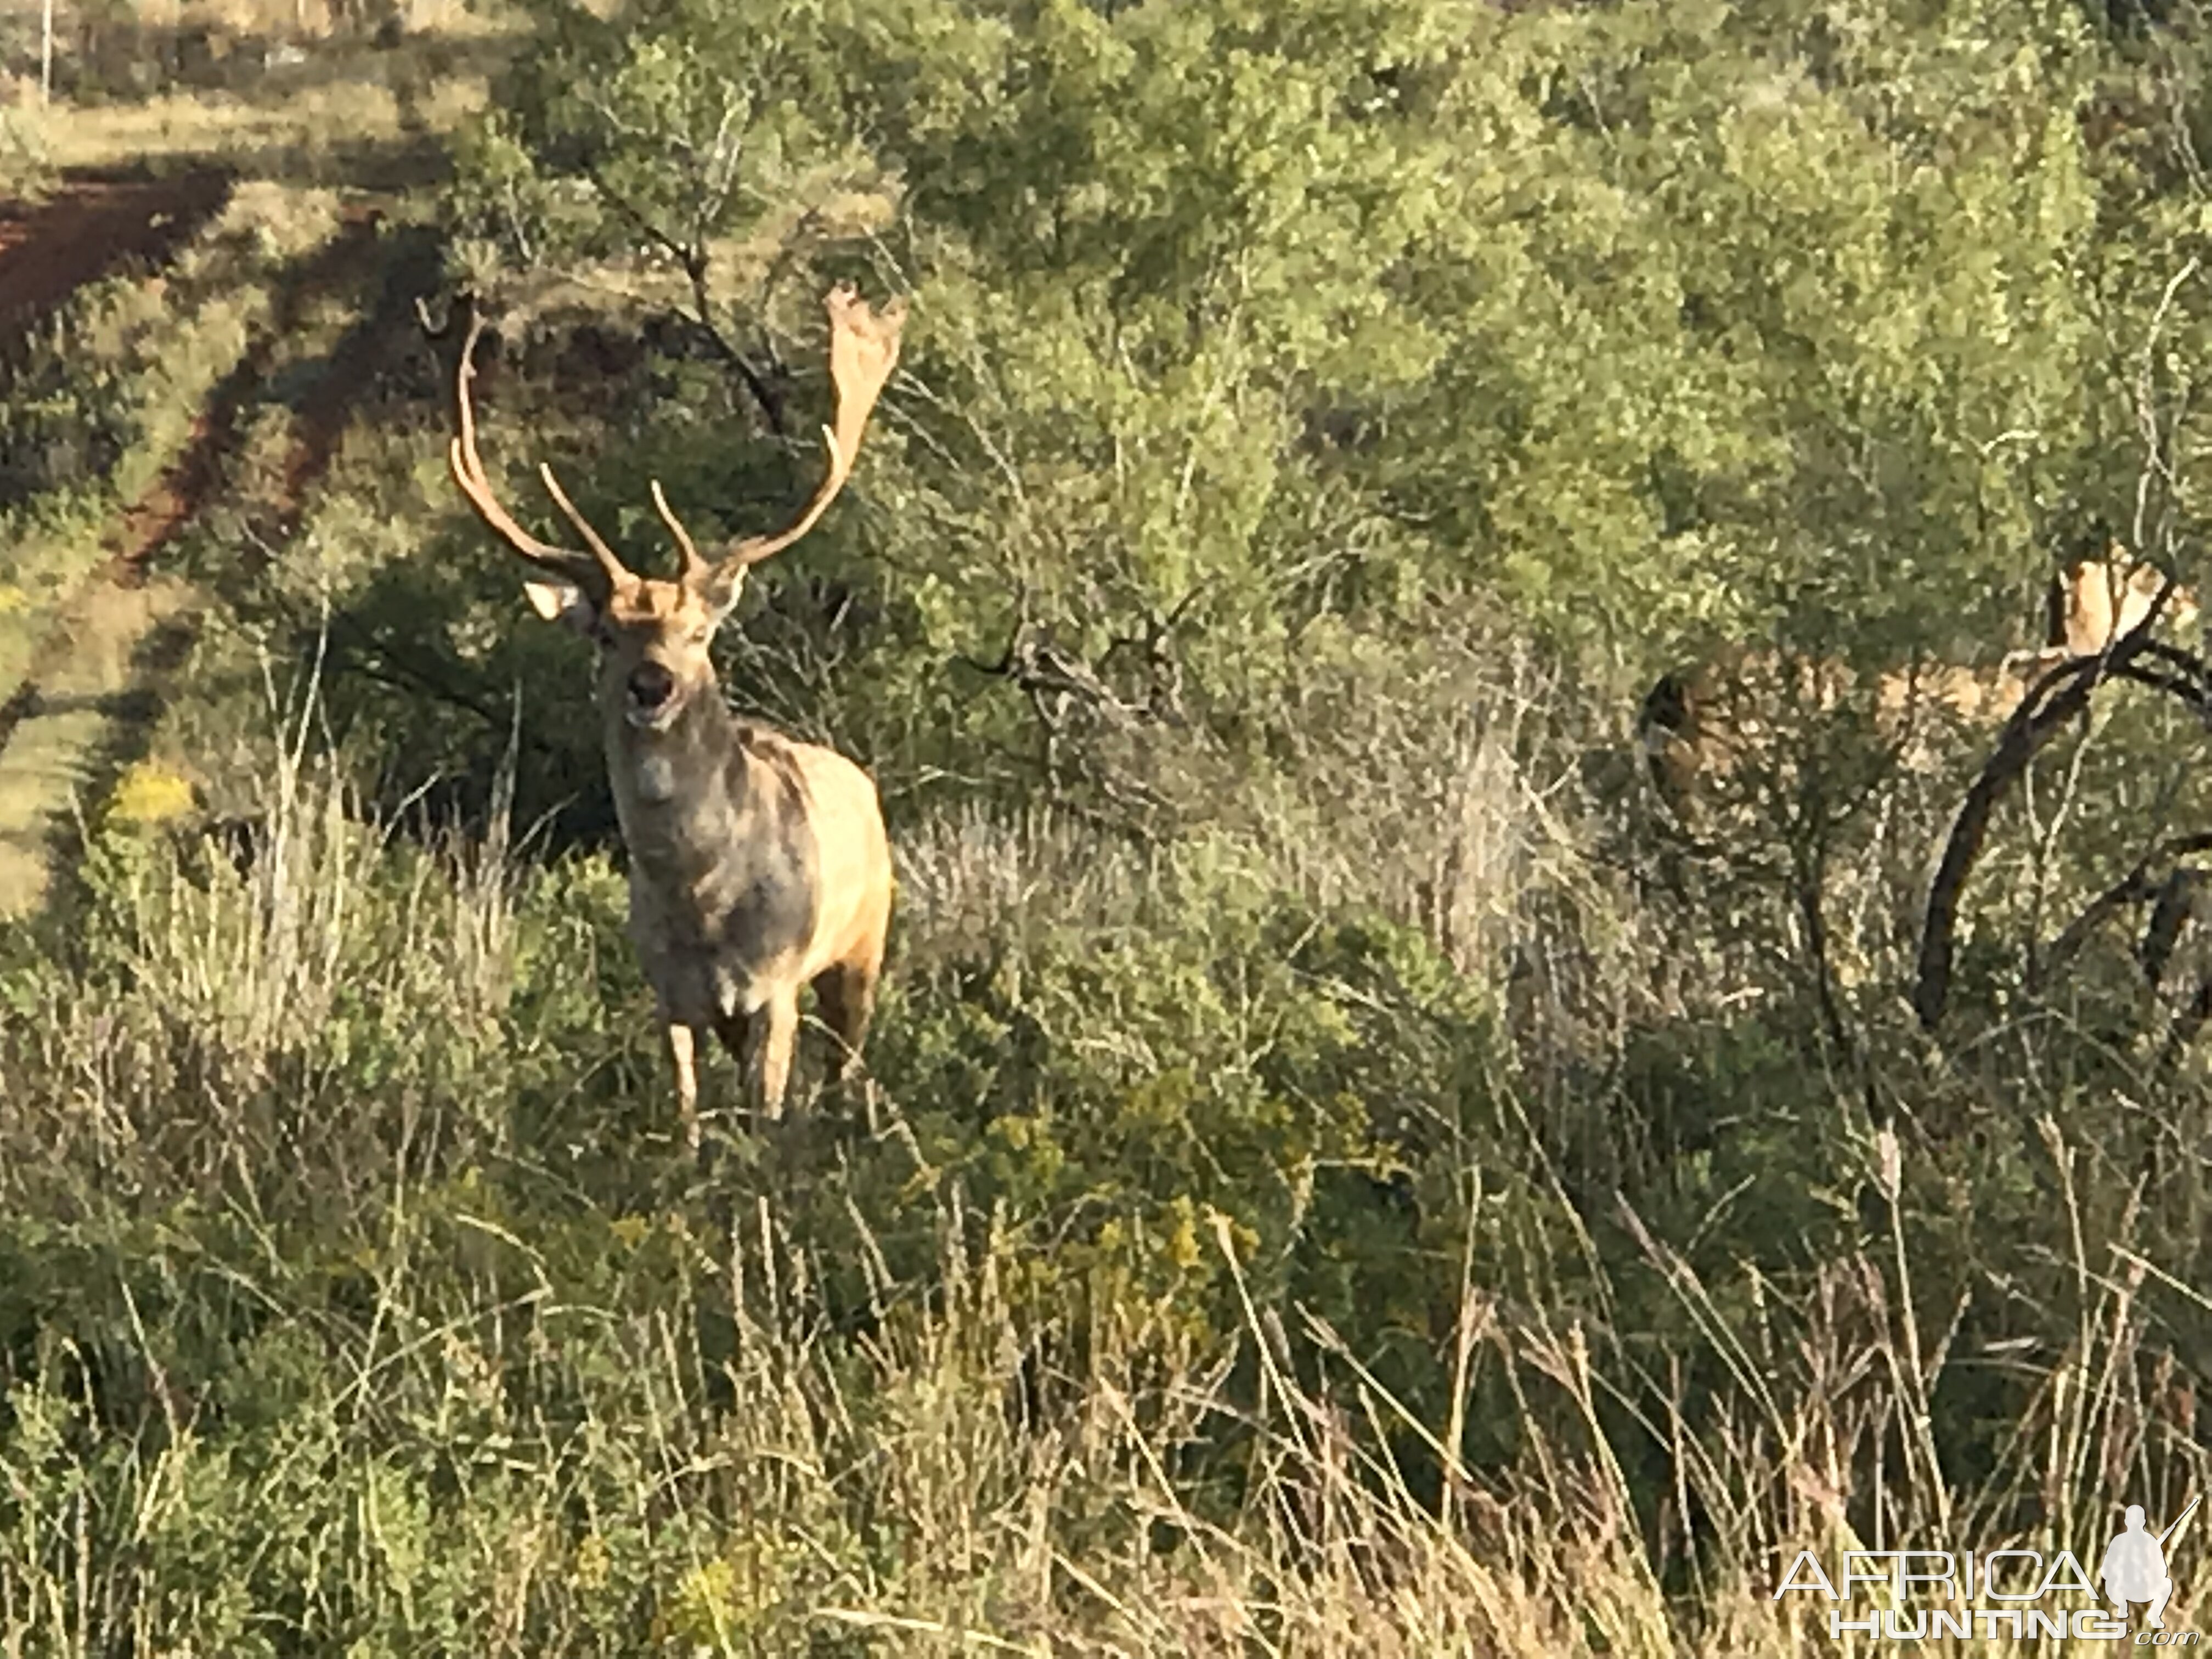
{"x": 1276, "y": 371}
{"x": 1661, "y": 323}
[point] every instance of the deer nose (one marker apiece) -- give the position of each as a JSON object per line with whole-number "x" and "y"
{"x": 651, "y": 685}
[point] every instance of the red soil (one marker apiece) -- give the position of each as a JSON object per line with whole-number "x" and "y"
{"x": 146, "y": 527}
{"x": 91, "y": 229}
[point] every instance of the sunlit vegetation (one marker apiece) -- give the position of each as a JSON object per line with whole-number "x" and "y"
{"x": 1341, "y": 1167}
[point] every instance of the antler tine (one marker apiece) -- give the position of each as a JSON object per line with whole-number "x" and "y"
{"x": 601, "y": 570}
{"x": 617, "y": 573}
{"x": 863, "y": 347}
{"x": 696, "y": 566}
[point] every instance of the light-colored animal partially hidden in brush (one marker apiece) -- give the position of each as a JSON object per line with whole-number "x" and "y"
{"x": 1701, "y": 722}
{"x": 758, "y": 865}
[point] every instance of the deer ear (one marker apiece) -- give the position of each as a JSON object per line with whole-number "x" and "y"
{"x": 557, "y": 601}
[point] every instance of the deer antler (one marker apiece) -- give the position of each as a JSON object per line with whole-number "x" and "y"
{"x": 863, "y": 347}
{"x": 599, "y": 573}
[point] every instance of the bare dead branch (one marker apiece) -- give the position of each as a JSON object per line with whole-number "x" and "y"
{"x": 440, "y": 330}
{"x": 2054, "y": 700}
{"x": 2142, "y": 884}
{"x": 693, "y": 260}
{"x": 2178, "y": 900}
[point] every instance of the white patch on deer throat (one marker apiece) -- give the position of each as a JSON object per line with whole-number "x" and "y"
{"x": 656, "y": 778}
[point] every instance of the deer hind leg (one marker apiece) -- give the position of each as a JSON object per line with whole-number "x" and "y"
{"x": 847, "y": 996}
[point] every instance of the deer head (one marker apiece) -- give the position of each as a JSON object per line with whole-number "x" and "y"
{"x": 652, "y": 634}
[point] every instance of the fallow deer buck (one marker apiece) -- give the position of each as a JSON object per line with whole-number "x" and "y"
{"x": 1699, "y": 722}
{"x": 758, "y": 864}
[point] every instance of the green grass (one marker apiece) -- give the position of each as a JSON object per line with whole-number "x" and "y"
{"x": 1205, "y": 1211}
{"x": 1407, "y": 1210}
{"x": 121, "y": 416}
{"x": 128, "y": 370}
{"x": 345, "y": 109}
{"x": 357, "y": 1298}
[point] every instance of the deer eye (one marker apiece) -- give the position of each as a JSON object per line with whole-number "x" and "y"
{"x": 700, "y": 635}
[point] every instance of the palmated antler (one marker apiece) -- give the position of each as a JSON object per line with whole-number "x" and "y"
{"x": 863, "y": 347}
{"x": 599, "y": 573}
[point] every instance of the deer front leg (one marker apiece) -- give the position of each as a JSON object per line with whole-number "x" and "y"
{"x": 682, "y": 1050}
{"x": 761, "y": 1044}
{"x": 765, "y": 1040}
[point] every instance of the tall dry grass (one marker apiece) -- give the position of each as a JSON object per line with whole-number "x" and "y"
{"x": 373, "y": 1369}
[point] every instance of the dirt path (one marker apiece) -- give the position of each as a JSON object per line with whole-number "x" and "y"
{"x": 94, "y": 686}
{"x": 91, "y": 228}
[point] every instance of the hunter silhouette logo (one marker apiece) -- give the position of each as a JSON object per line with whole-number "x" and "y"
{"x": 2012, "y": 1593}
{"x": 2135, "y": 1565}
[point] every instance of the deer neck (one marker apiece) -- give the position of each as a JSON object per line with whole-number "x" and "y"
{"x": 678, "y": 771}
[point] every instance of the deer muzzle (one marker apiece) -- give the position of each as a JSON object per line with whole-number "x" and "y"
{"x": 651, "y": 689}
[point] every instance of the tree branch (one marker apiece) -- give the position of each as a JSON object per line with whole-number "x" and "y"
{"x": 693, "y": 259}
{"x": 2136, "y": 887}
{"x": 2050, "y": 703}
